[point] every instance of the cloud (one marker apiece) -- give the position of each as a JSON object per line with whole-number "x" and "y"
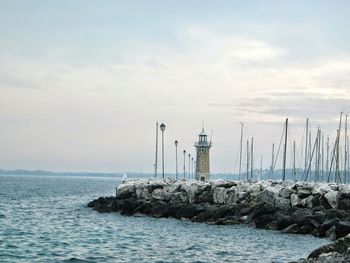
{"x": 222, "y": 78}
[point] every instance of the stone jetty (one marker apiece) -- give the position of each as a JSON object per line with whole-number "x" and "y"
{"x": 320, "y": 209}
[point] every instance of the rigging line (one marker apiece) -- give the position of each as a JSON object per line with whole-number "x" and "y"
{"x": 332, "y": 160}
{"x": 311, "y": 157}
{"x": 279, "y": 147}
{"x": 236, "y": 162}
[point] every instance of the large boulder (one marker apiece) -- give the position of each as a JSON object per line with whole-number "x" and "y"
{"x": 320, "y": 188}
{"x": 126, "y": 190}
{"x": 304, "y": 191}
{"x": 219, "y": 195}
{"x": 268, "y": 196}
{"x": 295, "y": 200}
{"x": 331, "y": 198}
{"x": 282, "y": 203}
{"x": 292, "y": 229}
{"x": 286, "y": 192}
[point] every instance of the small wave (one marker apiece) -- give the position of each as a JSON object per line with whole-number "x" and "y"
{"x": 78, "y": 260}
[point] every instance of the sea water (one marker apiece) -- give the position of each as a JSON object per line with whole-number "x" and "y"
{"x": 45, "y": 219}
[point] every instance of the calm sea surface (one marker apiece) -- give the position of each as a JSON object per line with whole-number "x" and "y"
{"x": 45, "y": 219}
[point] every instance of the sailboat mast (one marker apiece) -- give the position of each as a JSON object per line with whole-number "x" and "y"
{"x": 252, "y": 158}
{"x": 261, "y": 159}
{"x": 294, "y": 172}
{"x": 285, "y": 152}
{"x": 247, "y": 160}
{"x": 272, "y": 160}
{"x": 327, "y": 160}
{"x": 322, "y": 158}
{"x": 345, "y": 147}
{"x": 306, "y": 142}
{"x": 240, "y": 153}
{"x": 337, "y": 173}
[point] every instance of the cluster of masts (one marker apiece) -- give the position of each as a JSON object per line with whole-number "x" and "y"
{"x": 187, "y": 173}
{"x": 320, "y": 162}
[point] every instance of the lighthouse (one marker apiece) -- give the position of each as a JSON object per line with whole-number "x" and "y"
{"x": 202, "y": 160}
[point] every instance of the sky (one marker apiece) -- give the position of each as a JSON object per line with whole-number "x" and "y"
{"x": 82, "y": 83}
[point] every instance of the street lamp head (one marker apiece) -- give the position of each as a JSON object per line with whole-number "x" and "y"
{"x": 176, "y": 143}
{"x": 162, "y": 127}
{"x": 189, "y": 155}
{"x": 184, "y": 151}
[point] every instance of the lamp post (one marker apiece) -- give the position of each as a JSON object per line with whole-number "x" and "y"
{"x": 192, "y": 169}
{"x": 162, "y": 128}
{"x": 189, "y": 166}
{"x": 194, "y": 163}
{"x": 177, "y": 175}
{"x": 184, "y": 152}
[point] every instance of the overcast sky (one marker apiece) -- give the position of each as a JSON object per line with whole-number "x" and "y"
{"x": 82, "y": 83}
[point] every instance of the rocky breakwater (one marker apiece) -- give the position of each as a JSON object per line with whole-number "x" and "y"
{"x": 300, "y": 208}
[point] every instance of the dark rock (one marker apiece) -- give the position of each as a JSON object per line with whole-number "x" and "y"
{"x": 262, "y": 209}
{"x": 152, "y": 187}
{"x": 263, "y": 220}
{"x": 189, "y": 211}
{"x": 273, "y": 225}
{"x": 163, "y": 209}
{"x": 128, "y": 206}
{"x": 341, "y": 228}
{"x": 330, "y": 233}
{"x": 213, "y": 212}
{"x": 344, "y": 204}
{"x": 341, "y": 246}
{"x": 205, "y": 197}
{"x": 104, "y": 204}
{"x": 303, "y": 192}
{"x": 306, "y": 229}
{"x": 226, "y": 184}
{"x": 283, "y": 220}
{"x": 335, "y": 213}
{"x": 292, "y": 229}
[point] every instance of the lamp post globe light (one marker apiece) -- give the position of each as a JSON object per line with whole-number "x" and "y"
{"x": 177, "y": 174}
{"x": 162, "y": 128}
{"x": 184, "y": 152}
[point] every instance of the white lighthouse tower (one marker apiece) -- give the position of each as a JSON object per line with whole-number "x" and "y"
{"x": 202, "y": 160}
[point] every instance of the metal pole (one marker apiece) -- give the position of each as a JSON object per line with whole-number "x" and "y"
{"x": 195, "y": 168}
{"x": 345, "y": 147}
{"x": 247, "y": 159}
{"x": 189, "y": 166}
{"x": 240, "y": 153}
{"x": 337, "y": 174}
{"x": 252, "y": 158}
{"x": 163, "y": 154}
{"x": 261, "y": 159}
{"x": 306, "y": 142}
{"x": 184, "y": 152}
{"x": 322, "y": 154}
{"x": 294, "y": 171}
{"x": 285, "y": 151}
{"x": 272, "y": 160}
{"x": 156, "y": 159}
{"x": 327, "y": 159}
{"x": 177, "y": 168}
{"x": 192, "y": 168}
